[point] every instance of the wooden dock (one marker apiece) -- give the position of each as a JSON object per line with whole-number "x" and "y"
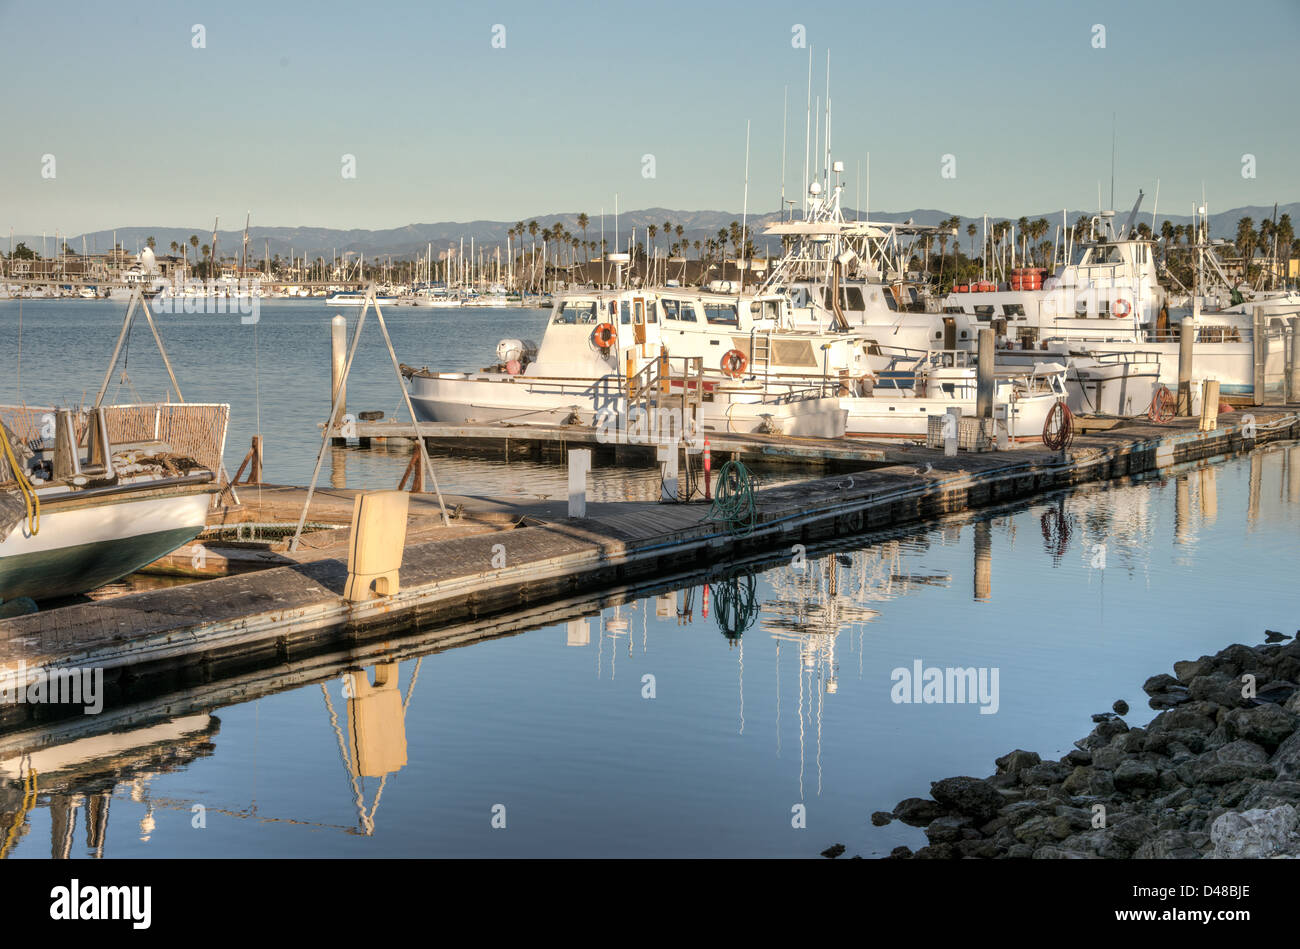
{"x": 552, "y": 442}
{"x": 518, "y": 556}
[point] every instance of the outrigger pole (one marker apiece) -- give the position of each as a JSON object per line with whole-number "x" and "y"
{"x": 334, "y": 411}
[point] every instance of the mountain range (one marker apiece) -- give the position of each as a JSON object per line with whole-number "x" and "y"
{"x": 413, "y": 239}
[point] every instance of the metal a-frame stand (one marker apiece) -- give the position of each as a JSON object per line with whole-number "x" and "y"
{"x": 334, "y": 411}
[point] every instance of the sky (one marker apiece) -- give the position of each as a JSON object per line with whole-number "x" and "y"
{"x": 506, "y": 110}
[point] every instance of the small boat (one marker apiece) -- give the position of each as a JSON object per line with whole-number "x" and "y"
{"x": 357, "y": 298}
{"x": 76, "y": 516}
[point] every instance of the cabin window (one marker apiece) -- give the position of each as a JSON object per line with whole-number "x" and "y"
{"x": 671, "y": 309}
{"x": 687, "y": 313}
{"x": 855, "y": 301}
{"x": 1013, "y": 309}
{"x": 651, "y": 313}
{"x": 721, "y": 313}
{"x": 625, "y": 313}
{"x": 573, "y": 312}
{"x": 764, "y": 310}
{"x": 953, "y": 309}
{"x": 984, "y": 312}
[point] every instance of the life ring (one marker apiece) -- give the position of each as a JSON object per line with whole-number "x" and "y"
{"x": 734, "y": 363}
{"x": 604, "y": 335}
{"x": 1121, "y": 308}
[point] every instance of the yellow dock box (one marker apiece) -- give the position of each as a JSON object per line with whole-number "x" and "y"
{"x": 376, "y": 546}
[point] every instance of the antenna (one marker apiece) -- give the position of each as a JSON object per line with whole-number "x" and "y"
{"x": 1154, "y": 208}
{"x": 807, "y": 127}
{"x": 1112, "y": 159}
{"x": 744, "y": 211}
{"x": 785, "y": 115}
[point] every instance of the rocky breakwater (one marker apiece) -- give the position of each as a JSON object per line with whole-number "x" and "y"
{"x": 1215, "y": 774}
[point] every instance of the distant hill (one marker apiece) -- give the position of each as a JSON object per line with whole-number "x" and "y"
{"x": 413, "y": 239}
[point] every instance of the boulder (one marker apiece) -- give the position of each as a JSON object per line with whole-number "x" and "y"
{"x": 1016, "y": 761}
{"x": 949, "y": 830}
{"x": 1189, "y": 669}
{"x": 881, "y": 818}
{"x": 1231, "y": 762}
{"x": 1266, "y": 725}
{"x": 1256, "y": 833}
{"x": 1158, "y": 683}
{"x": 969, "y": 796}
{"x": 1286, "y": 759}
{"x": 918, "y": 811}
{"x": 1134, "y": 774}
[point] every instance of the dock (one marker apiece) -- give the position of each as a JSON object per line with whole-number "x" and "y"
{"x": 500, "y": 557}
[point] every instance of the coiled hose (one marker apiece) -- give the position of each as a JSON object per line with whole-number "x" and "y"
{"x": 733, "y": 504}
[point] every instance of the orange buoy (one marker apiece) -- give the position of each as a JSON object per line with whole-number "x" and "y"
{"x": 604, "y": 335}
{"x": 734, "y": 363}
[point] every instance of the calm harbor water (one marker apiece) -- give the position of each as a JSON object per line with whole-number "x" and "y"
{"x": 275, "y": 375}
{"x": 782, "y": 697}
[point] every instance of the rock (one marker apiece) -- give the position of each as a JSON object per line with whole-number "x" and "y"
{"x": 1120, "y": 707}
{"x": 1077, "y": 818}
{"x": 899, "y": 853}
{"x": 1077, "y": 757}
{"x": 948, "y": 830}
{"x": 1292, "y": 704}
{"x": 1278, "y": 692}
{"x": 1048, "y": 772}
{"x": 1130, "y": 833}
{"x": 1266, "y": 725}
{"x": 1195, "y": 716}
{"x": 833, "y": 851}
{"x": 1266, "y": 794}
{"x": 1102, "y": 784}
{"x": 1189, "y": 669}
{"x": 1232, "y": 762}
{"x": 1038, "y": 830}
{"x": 1020, "y": 852}
{"x": 1286, "y": 759}
{"x": 1158, "y": 683}
{"x": 1273, "y": 636}
{"x": 918, "y": 811}
{"x": 1108, "y": 758}
{"x": 1256, "y": 833}
{"x": 937, "y": 852}
{"x": 1058, "y": 853}
{"x": 969, "y": 796}
{"x": 983, "y": 849}
{"x": 1017, "y": 761}
{"x": 881, "y": 818}
{"x": 1104, "y": 716}
{"x": 1168, "y": 845}
{"x": 1170, "y": 699}
{"x": 1134, "y": 774}
{"x": 1079, "y": 779}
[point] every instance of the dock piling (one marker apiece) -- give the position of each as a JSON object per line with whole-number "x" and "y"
{"x": 579, "y": 466}
{"x": 1186, "y": 336}
{"x": 984, "y": 376}
{"x": 1293, "y": 370}
{"x": 338, "y": 357}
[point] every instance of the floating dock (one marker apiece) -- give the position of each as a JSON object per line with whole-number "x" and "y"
{"x": 500, "y": 557}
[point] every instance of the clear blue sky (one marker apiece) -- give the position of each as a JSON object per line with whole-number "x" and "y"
{"x": 147, "y": 130}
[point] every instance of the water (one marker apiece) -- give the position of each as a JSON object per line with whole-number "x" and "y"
{"x": 275, "y": 375}
{"x": 1074, "y": 600}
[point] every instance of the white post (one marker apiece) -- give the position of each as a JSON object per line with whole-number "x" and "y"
{"x": 951, "y": 428}
{"x": 668, "y": 472}
{"x": 579, "y": 466}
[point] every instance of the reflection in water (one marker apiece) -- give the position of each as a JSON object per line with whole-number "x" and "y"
{"x": 74, "y": 770}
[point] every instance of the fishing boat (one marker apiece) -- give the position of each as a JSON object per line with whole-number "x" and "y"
{"x": 596, "y": 341}
{"x": 1110, "y": 304}
{"x": 898, "y": 402}
{"x": 82, "y": 511}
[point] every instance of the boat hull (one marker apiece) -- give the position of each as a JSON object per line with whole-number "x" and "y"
{"x": 83, "y": 547}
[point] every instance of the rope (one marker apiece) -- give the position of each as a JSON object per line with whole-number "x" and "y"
{"x": 30, "y": 500}
{"x": 734, "y": 501}
{"x": 735, "y": 605}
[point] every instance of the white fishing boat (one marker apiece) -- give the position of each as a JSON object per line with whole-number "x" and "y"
{"x": 82, "y": 511}
{"x": 1110, "y": 304}
{"x": 597, "y": 340}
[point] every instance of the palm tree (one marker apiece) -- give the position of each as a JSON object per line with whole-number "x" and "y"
{"x": 1246, "y": 239}
{"x": 971, "y": 230}
{"x": 583, "y": 221}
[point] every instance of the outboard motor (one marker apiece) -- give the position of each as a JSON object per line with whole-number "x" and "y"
{"x": 516, "y": 354}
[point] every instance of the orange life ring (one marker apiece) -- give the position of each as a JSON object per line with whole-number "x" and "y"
{"x": 604, "y": 335}
{"x": 734, "y": 363}
{"x": 1121, "y": 308}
